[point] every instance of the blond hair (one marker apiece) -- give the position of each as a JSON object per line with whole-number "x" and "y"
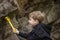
{"x": 37, "y": 15}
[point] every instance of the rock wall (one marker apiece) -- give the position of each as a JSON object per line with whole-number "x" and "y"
{"x": 18, "y": 11}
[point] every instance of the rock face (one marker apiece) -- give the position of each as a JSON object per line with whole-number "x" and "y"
{"x": 18, "y": 11}
{"x": 6, "y": 6}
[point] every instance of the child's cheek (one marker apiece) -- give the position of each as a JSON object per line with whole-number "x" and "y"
{"x": 30, "y": 21}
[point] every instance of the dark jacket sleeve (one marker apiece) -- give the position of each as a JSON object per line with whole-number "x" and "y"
{"x": 32, "y": 37}
{"x": 29, "y": 36}
{"x": 24, "y": 35}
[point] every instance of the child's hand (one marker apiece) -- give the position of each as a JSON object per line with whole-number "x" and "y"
{"x": 15, "y": 31}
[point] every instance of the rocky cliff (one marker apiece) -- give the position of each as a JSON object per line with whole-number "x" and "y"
{"x": 18, "y": 11}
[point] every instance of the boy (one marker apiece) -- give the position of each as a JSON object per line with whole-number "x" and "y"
{"x": 40, "y": 31}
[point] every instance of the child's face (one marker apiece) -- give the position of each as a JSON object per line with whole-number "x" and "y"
{"x": 32, "y": 21}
